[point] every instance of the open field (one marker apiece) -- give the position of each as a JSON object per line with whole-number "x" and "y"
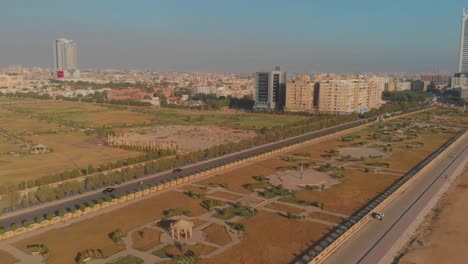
{"x": 441, "y": 238}
{"x": 69, "y": 151}
{"x": 188, "y": 137}
{"x": 76, "y": 131}
{"x": 360, "y": 179}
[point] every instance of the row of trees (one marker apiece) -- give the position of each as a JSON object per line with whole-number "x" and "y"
{"x": 405, "y": 96}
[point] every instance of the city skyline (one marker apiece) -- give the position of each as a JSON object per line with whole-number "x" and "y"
{"x": 235, "y": 37}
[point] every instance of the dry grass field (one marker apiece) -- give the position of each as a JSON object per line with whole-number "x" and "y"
{"x": 68, "y": 151}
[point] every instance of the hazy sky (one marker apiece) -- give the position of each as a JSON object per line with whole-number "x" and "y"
{"x": 237, "y": 35}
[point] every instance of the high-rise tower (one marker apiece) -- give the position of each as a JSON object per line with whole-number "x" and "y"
{"x": 270, "y": 88}
{"x": 463, "y": 60}
{"x": 65, "y": 58}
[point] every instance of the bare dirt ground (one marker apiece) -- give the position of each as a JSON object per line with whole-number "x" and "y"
{"x": 270, "y": 238}
{"x": 361, "y": 152}
{"x": 442, "y": 237}
{"x": 6, "y": 258}
{"x": 292, "y": 180}
{"x": 190, "y": 138}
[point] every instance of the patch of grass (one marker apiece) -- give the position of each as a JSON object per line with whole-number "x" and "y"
{"x": 293, "y": 200}
{"x": 237, "y": 209}
{"x": 195, "y": 195}
{"x": 274, "y": 191}
{"x": 176, "y": 211}
{"x": 129, "y": 259}
{"x": 211, "y": 203}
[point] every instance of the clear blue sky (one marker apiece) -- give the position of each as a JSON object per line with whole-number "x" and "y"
{"x": 239, "y": 36}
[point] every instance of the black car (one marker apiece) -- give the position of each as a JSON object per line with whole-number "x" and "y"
{"x": 177, "y": 170}
{"x": 108, "y": 190}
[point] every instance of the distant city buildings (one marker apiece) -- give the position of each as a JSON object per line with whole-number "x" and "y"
{"x": 66, "y": 59}
{"x": 403, "y": 86}
{"x": 9, "y": 80}
{"x": 270, "y": 90}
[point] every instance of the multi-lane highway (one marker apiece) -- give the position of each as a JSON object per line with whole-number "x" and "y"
{"x": 375, "y": 242}
{"x": 31, "y": 213}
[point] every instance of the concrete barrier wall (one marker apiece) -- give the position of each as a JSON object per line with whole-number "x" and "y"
{"x": 139, "y": 194}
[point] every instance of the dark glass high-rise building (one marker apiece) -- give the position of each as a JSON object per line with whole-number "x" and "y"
{"x": 270, "y": 90}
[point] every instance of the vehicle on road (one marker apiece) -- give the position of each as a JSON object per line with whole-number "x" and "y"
{"x": 177, "y": 170}
{"x": 108, "y": 190}
{"x": 378, "y": 215}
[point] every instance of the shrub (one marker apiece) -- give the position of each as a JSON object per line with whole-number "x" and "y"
{"x": 195, "y": 194}
{"x": 175, "y": 212}
{"x": 26, "y": 223}
{"x": 116, "y": 236}
{"x": 209, "y": 204}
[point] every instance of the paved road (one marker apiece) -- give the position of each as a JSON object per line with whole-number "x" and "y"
{"x": 370, "y": 244}
{"x": 49, "y": 208}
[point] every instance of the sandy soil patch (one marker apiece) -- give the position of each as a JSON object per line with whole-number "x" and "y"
{"x": 356, "y": 189}
{"x": 326, "y": 217}
{"x": 292, "y": 180}
{"x": 189, "y": 138}
{"x": 360, "y": 152}
{"x": 263, "y": 244}
{"x": 225, "y": 195}
{"x": 234, "y": 180}
{"x": 442, "y": 238}
{"x": 217, "y": 234}
{"x": 145, "y": 238}
{"x": 284, "y": 208}
{"x": 6, "y": 258}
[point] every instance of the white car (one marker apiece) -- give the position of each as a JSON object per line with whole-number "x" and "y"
{"x": 378, "y": 215}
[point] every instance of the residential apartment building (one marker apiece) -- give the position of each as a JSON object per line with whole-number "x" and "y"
{"x": 348, "y": 96}
{"x": 337, "y": 96}
{"x": 299, "y": 95}
{"x": 376, "y": 86}
{"x": 270, "y": 90}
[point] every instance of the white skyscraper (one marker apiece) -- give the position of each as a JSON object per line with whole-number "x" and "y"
{"x": 65, "y": 58}
{"x": 463, "y": 60}
{"x": 460, "y": 80}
